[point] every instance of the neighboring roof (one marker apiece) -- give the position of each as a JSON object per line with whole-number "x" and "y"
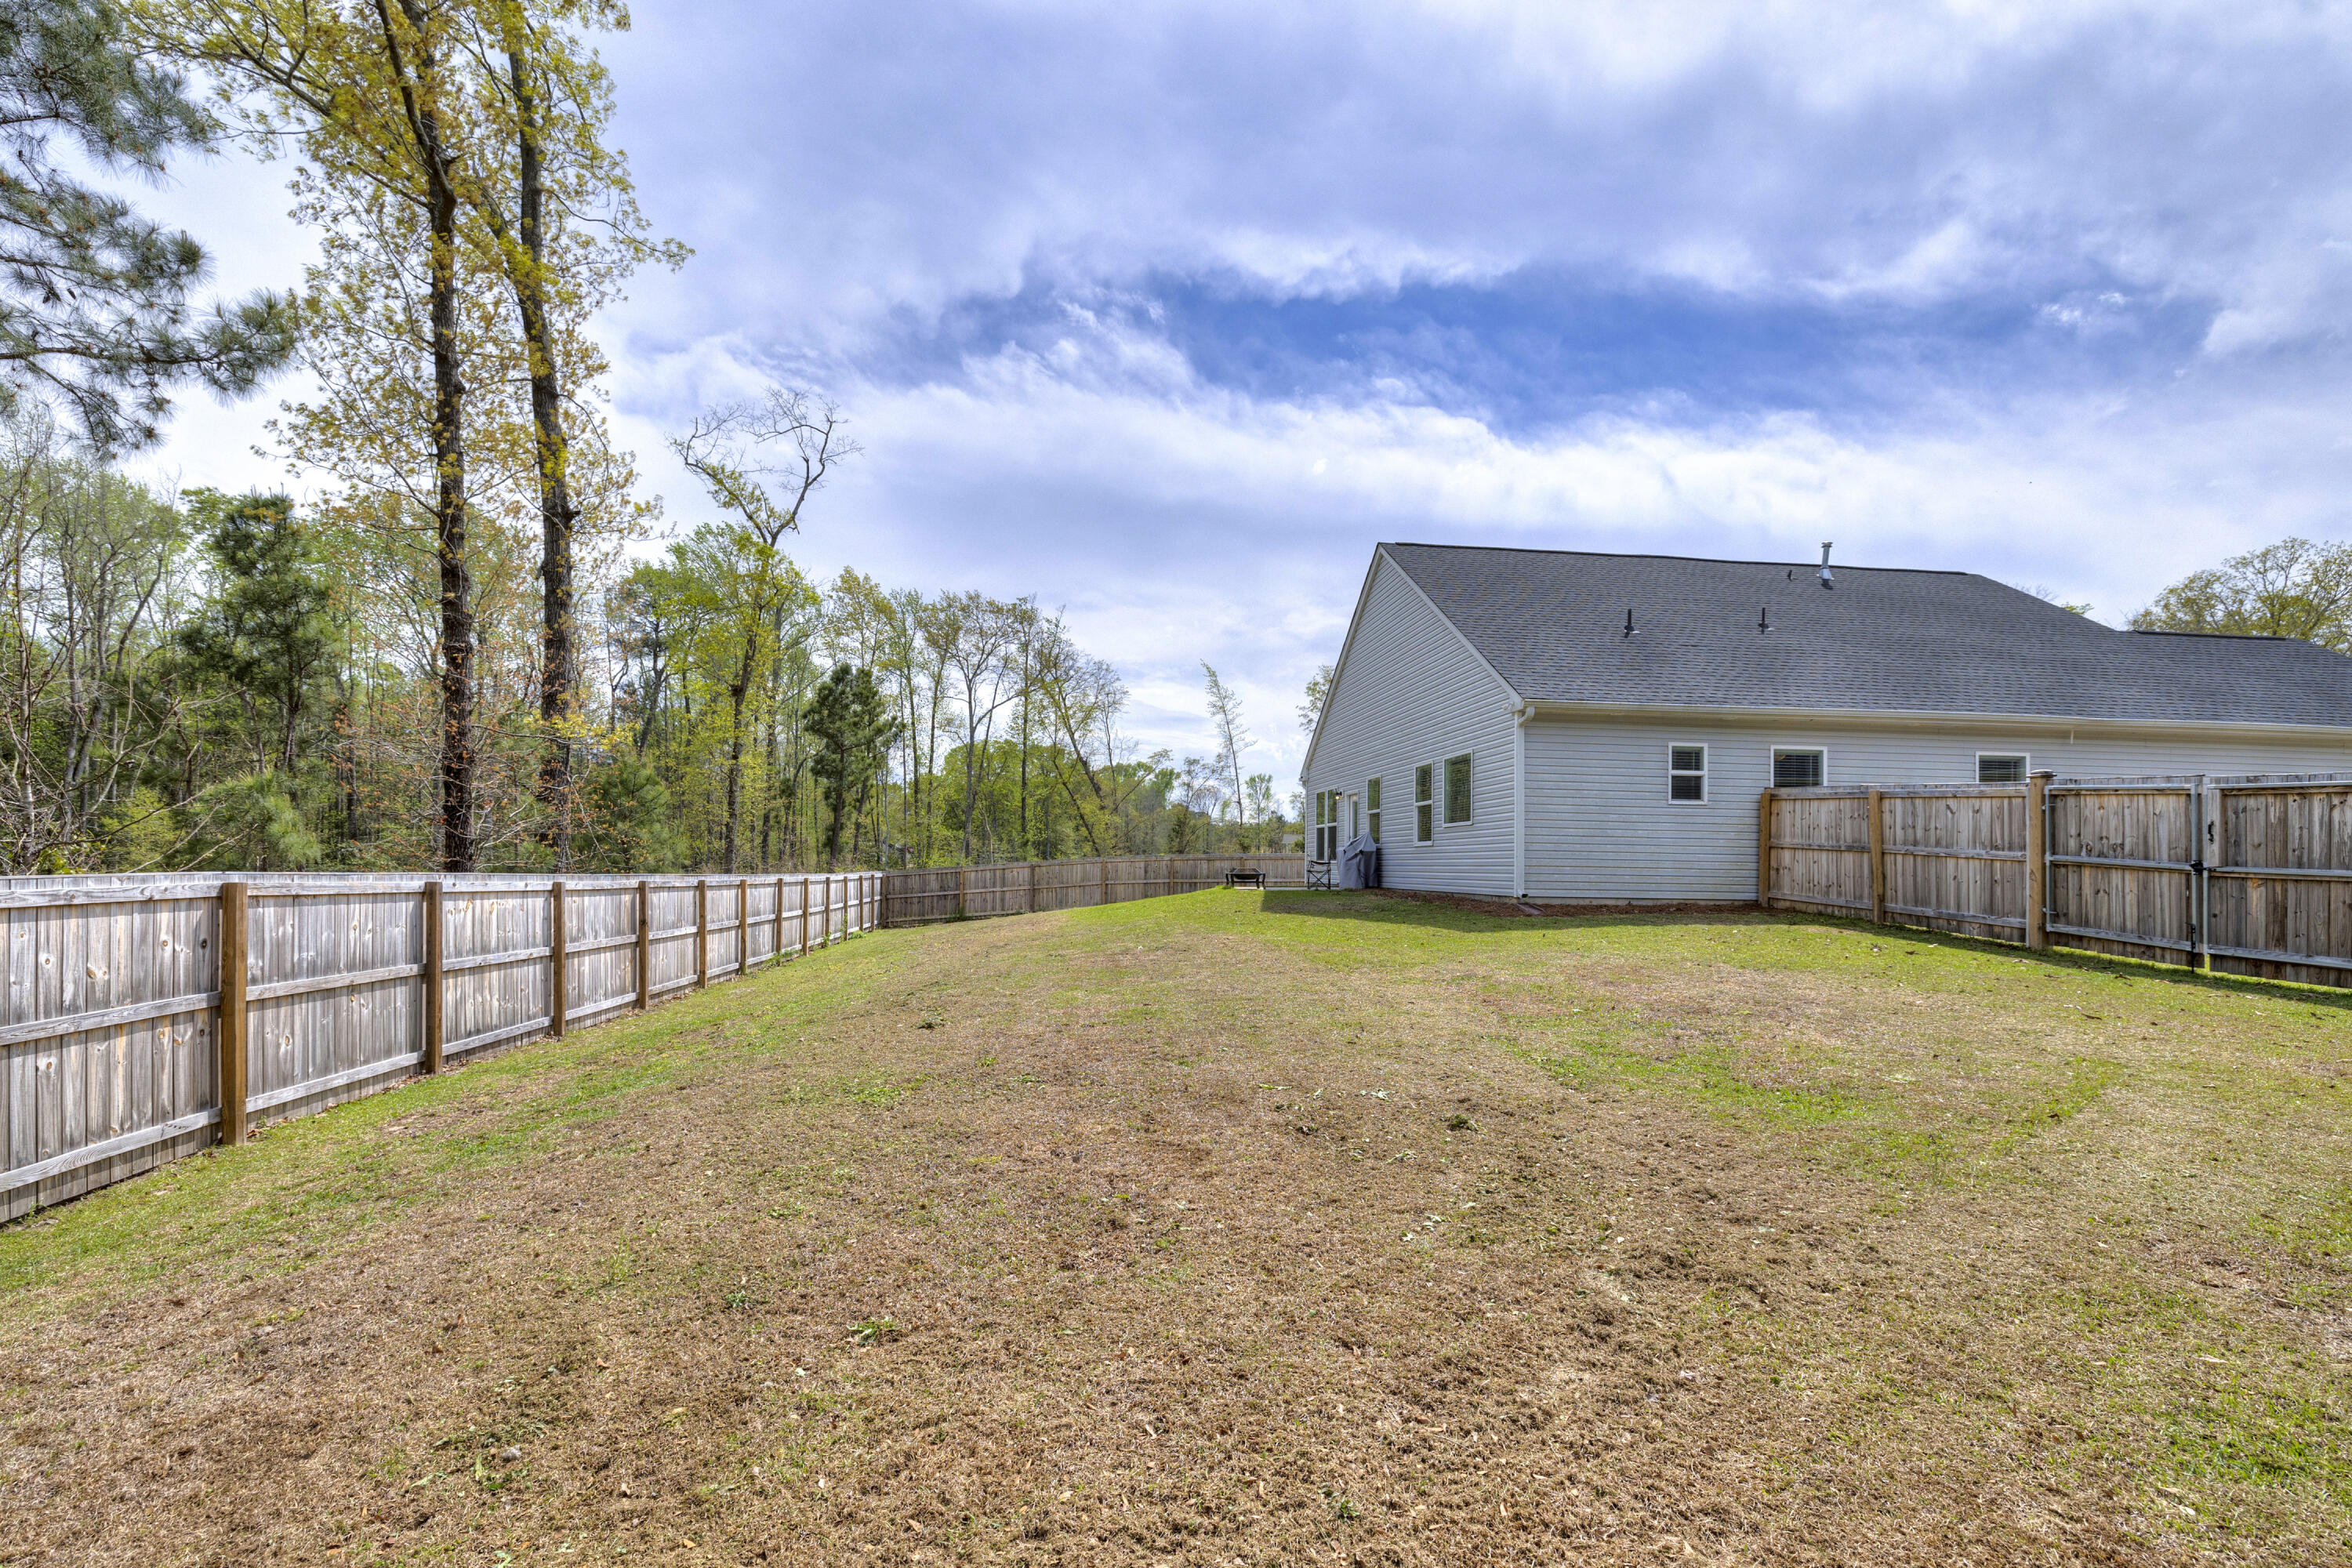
{"x": 1551, "y": 622}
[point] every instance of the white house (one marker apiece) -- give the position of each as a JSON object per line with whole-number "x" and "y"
{"x": 1565, "y": 726}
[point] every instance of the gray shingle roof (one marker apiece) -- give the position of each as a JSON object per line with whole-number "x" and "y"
{"x": 1552, "y": 623}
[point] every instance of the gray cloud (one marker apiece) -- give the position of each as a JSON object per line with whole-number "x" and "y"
{"x": 2044, "y": 290}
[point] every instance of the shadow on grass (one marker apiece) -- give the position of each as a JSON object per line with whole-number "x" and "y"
{"x": 1384, "y": 909}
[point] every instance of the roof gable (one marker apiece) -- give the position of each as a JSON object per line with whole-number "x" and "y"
{"x": 1551, "y": 624}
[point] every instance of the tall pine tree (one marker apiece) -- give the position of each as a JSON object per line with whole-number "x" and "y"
{"x": 94, "y": 308}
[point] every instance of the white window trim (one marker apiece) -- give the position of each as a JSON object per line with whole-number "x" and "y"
{"x": 1822, "y": 752}
{"x": 1426, "y": 801}
{"x": 2025, "y": 757}
{"x": 1471, "y": 820}
{"x": 1674, "y": 772}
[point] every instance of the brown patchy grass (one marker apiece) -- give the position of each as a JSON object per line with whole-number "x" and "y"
{"x": 1242, "y": 1228}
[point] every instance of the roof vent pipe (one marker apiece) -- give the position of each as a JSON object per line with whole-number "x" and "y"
{"x": 1629, "y": 622}
{"x": 1826, "y": 583}
{"x": 1764, "y": 619}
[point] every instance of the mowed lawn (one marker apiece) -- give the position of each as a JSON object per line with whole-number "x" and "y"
{"x": 1251, "y": 1229}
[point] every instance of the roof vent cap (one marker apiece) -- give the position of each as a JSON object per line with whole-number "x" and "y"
{"x": 1826, "y": 581}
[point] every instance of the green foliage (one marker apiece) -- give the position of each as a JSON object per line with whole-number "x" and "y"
{"x": 92, "y": 561}
{"x": 631, "y": 825}
{"x": 853, "y": 731}
{"x": 264, "y": 634}
{"x": 251, "y": 823}
{"x": 2291, "y": 589}
{"x": 144, "y": 833}
{"x": 93, "y": 301}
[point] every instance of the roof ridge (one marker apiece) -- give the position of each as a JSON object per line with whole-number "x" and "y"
{"x": 1697, "y": 560}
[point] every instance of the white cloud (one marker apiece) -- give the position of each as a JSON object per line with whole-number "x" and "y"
{"x": 861, "y": 182}
{"x": 1177, "y": 521}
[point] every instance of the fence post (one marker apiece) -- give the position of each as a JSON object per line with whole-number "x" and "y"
{"x": 1029, "y": 892}
{"x": 644, "y": 945}
{"x": 802, "y": 951}
{"x": 1764, "y": 851}
{"x": 559, "y": 989}
{"x": 2037, "y": 861}
{"x": 1877, "y": 858}
{"x": 1103, "y": 865}
{"x": 230, "y": 1038}
{"x": 2200, "y": 901}
{"x": 964, "y": 890}
{"x": 433, "y": 1036}
{"x": 777, "y": 956}
{"x": 744, "y": 928}
{"x": 701, "y": 933}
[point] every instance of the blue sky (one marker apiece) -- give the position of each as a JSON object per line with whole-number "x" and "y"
{"x": 1166, "y": 313}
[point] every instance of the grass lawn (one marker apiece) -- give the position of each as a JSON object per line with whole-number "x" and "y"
{"x": 1251, "y": 1229}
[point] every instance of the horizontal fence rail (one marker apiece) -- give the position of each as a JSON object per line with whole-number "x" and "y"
{"x": 2248, "y": 874}
{"x": 148, "y": 1016}
{"x": 1033, "y": 887}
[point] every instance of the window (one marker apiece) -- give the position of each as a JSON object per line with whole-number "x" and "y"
{"x": 1423, "y": 805}
{"x": 2000, "y": 767}
{"x": 1686, "y": 774}
{"x": 1322, "y": 823}
{"x": 1458, "y": 790}
{"x": 1797, "y": 768}
{"x": 1373, "y": 807}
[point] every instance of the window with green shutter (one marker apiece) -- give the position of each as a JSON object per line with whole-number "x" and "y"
{"x": 1423, "y": 805}
{"x": 1457, "y": 791}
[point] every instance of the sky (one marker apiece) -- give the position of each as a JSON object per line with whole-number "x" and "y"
{"x": 1167, "y": 313}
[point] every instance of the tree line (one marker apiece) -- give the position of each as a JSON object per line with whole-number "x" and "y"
{"x": 460, "y": 655}
{"x": 228, "y": 682}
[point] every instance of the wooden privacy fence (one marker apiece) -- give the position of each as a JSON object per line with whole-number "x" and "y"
{"x": 2248, "y": 874}
{"x": 147, "y": 1016}
{"x": 1029, "y": 887}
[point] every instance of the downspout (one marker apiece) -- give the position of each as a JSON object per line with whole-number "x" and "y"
{"x": 1520, "y": 714}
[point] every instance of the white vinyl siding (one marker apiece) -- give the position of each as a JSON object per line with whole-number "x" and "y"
{"x": 1409, "y": 694}
{"x": 1600, "y": 828}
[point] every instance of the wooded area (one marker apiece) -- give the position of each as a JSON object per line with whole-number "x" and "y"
{"x": 465, "y": 652}
{"x": 220, "y": 683}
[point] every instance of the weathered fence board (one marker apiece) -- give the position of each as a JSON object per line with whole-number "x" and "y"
{"x": 115, "y": 1019}
{"x": 1032, "y": 886}
{"x": 2251, "y": 874}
